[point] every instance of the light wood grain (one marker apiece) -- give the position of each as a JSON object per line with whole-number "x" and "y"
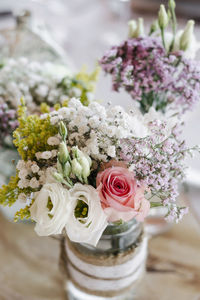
{"x": 29, "y": 264}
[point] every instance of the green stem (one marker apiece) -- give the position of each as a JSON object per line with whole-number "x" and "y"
{"x": 174, "y": 24}
{"x": 67, "y": 183}
{"x": 163, "y": 37}
{"x": 156, "y": 204}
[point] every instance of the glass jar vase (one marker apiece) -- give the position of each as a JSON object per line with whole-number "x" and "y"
{"x": 112, "y": 269}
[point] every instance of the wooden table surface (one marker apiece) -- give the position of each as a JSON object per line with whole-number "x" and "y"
{"x": 29, "y": 264}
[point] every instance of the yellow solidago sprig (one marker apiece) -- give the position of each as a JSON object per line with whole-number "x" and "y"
{"x": 23, "y": 213}
{"x": 32, "y": 134}
{"x": 10, "y": 193}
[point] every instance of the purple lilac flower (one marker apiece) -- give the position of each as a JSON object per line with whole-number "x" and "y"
{"x": 151, "y": 76}
{"x": 8, "y": 121}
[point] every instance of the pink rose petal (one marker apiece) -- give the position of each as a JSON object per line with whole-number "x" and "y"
{"x": 120, "y": 196}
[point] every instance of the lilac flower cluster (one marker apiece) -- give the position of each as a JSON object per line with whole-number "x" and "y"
{"x": 8, "y": 121}
{"x": 151, "y": 76}
{"x": 159, "y": 166}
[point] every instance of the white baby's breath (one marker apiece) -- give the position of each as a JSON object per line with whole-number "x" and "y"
{"x": 22, "y": 197}
{"x": 34, "y": 183}
{"x": 97, "y": 130}
{"x": 53, "y": 140}
{"x": 35, "y": 168}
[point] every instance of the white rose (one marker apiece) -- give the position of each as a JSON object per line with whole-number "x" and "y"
{"x": 89, "y": 229}
{"x": 51, "y": 221}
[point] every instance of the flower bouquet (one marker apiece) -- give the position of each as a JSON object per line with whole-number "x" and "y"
{"x": 158, "y": 69}
{"x": 90, "y": 175}
{"x": 43, "y": 85}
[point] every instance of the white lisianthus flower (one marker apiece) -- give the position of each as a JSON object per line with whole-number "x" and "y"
{"x": 51, "y": 221}
{"x": 90, "y": 228}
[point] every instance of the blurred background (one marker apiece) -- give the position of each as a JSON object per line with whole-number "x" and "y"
{"x": 80, "y": 31}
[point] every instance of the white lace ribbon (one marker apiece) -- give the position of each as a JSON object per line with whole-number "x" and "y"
{"x": 107, "y": 278}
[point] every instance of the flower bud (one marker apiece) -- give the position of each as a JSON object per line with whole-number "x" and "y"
{"x": 169, "y": 14}
{"x": 89, "y": 160}
{"x": 58, "y": 176}
{"x": 85, "y": 167}
{"x": 84, "y": 161}
{"x": 162, "y": 17}
{"x": 76, "y": 168}
{"x": 75, "y": 151}
{"x": 136, "y": 29}
{"x": 67, "y": 169}
{"x": 59, "y": 167}
{"x": 62, "y": 130}
{"x": 132, "y": 25}
{"x": 63, "y": 154}
{"x": 140, "y": 28}
{"x": 172, "y": 4}
{"x": 186, "y": 36}
{"x": 154, "y": 27}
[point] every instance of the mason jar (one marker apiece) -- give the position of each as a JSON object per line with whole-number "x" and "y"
{"x": 112, "y": 269}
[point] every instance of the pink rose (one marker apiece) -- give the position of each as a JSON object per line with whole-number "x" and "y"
{"x": 121, "y": 198}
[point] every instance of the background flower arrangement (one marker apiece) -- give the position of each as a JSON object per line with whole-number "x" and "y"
{"x": 83, "y": 167}
{"x": 41, "y": 85}
{"x": 157, "y": 70}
